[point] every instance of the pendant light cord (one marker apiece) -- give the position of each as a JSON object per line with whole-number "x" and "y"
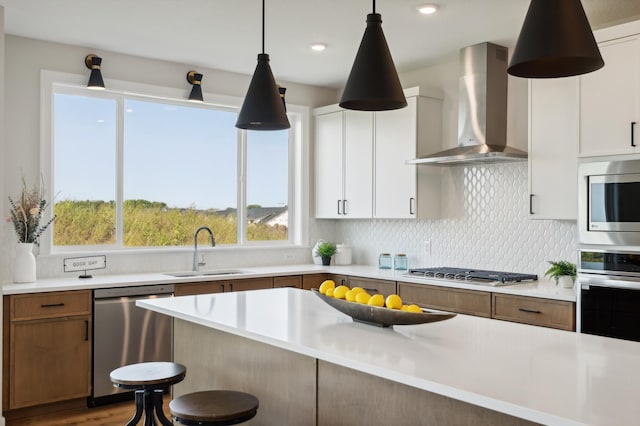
{"x": 374, "y": 6}
{"x": 263, "y": 25}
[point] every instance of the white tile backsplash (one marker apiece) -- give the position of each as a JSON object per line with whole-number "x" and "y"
{"x": 487, "y": 227}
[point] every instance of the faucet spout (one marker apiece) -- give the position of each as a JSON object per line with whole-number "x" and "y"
{"x": 197, "y": 264}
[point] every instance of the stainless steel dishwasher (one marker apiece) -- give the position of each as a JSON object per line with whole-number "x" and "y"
{"x": 126, "y": 334}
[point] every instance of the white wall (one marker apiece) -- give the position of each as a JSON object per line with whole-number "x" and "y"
{"x": 25, "y": 58}
{"x": 486, "y": 223}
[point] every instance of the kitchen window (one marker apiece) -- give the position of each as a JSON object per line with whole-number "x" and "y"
{"x": 139, "y": 171}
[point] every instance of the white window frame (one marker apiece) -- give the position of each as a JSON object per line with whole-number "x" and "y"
{"x": 57, "y": 82}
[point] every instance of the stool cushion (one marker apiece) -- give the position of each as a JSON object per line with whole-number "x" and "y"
{"x": 214, "y": 406}
{"x": 148, "y": 375}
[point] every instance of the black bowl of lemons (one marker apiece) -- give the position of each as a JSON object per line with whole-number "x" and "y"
{"x": 376, "y": 309}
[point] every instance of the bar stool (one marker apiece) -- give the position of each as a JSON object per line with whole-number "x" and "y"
{"x": 149, "y": 379}
{"x": 213, "y": 408}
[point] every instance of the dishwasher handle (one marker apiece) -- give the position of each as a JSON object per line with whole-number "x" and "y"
{"x": 137, "y": 291}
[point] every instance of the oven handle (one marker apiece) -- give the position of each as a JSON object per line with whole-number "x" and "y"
{"x": 607, "y": 281}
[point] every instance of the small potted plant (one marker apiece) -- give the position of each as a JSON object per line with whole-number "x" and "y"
{"x": 563, "y": 272}
{"x": 326, "y": 251}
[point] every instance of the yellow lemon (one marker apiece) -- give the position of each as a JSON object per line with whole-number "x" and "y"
{"x": 404, "y": 307}
{"x": 414, "y": 308}
{"x": 363, "y": 297}
{"x": 350, "y": 296}
{"x": 340, "y": 292}
{"x": 326, "y": 285}
{"x": 376, "y": 300}
{"x": 329, "y": 292}
{"x": 357, "y": 290}
{"x": 393, "y": 301}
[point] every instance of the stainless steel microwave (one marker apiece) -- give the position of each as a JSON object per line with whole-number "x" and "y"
{"x": 609, "y": 203}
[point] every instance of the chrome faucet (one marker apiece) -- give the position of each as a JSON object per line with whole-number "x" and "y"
{"x": 196, "y": 263}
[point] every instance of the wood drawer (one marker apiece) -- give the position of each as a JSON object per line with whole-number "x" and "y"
{"x": 313, "y": 281}
{"x": 290, "y": 281}
{"x": 250, "y": 284}
{"x": 189, "y": 289}
{"x": 373, "y": 286}
{"x": 470, "y": 302}
{"x": 535, "y": 311}
{"x": 50, "y": 305}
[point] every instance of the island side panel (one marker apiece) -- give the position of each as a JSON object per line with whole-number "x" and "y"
{"x": 348, "y": 397}
{"x": 284, "y": 382}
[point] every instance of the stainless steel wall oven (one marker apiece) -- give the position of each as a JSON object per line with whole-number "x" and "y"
{"x": 609, "y": 294}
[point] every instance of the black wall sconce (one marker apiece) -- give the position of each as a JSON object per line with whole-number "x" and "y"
{"x": 94, "y": 62}
{"x": 195, "y": 79}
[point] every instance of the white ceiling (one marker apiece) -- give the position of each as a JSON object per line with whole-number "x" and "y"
{"x": 225, "y": 34}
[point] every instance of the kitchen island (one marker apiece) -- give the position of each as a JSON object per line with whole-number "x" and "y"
{"x": 310, "y": 364}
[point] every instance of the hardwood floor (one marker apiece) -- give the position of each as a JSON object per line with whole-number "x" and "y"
{"x": 108, "y": 415}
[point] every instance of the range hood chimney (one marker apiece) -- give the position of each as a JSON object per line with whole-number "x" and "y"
{"x": 482, "y": 111}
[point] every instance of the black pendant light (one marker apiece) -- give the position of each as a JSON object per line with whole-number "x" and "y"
{"x": 94, "y": 63}
{"x": 555, "y": 41}
{"x": 263, "y": 108}
{"x": 195, "y": 79}
{"x": 373, "y": 83}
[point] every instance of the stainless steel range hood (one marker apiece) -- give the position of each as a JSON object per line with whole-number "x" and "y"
{"x": 482, "y": 111}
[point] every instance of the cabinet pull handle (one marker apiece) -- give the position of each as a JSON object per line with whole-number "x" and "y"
{"x": 222, "y": 286}
{"x": 339, "y": 212}
{"x": 52, "y": 305}
{"x": 633, "y": 142}
{"x": 344, "y": 207}
{"x": 86, "y": 330}
{"x": 230, "y": 286}
{"x": 371, "y": 290}
{"x": 531, "y": 311}
{"x": 411, "y": 205}
{"x": 531, "y": 204}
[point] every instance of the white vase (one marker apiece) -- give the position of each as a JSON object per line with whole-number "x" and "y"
{"x": 24, "y": 265}
{"x": 565, "y": 281}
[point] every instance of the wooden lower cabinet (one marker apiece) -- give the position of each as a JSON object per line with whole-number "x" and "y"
{"x": 313, "y": 281}
{"x": 49, "y": 358}
{"x": 250, "y": 284}
{"x": 339, "y": 279}
{"x": 536, "y": 311}
{"x": 191, "y": 289}
{"x": 294, "y": 281}
{"x": 462, "y": 301}
{"x": 373, "y": 286}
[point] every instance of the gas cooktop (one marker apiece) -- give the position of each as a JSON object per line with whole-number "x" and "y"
{"x": 477, "y": 276}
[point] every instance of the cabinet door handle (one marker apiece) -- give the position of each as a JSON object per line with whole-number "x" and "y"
{"x": 230, "y": 286}
{"x": 411, "y": 205}
{"x": 52, "y": 305}
{"x": 633, "y": 125}
{"x": 222, "y": 286}
{"x": 344, "y": 207}
{"x": 339, "y": 202}
{"x": 86, "y": 330}
{"x": 531, "y": 311}
{"x": 531, "y": 204}
{"x": 371, "y": 290}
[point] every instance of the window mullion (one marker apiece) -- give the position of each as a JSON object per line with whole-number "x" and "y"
{"x": 120, "y": 174}
{"x": 241, "y": 212}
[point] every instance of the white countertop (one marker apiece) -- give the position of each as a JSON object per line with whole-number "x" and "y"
{"x": 544, "y": 375}
{"x": 542, "y": 288}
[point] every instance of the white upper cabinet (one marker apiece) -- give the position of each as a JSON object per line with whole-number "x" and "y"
{"x": 553, "y": 148}
{"x": 344, "y": 163}
{"x": 609, "y": 101}
{"x": 405, "y": 191}
{"x": 360, "y": 161}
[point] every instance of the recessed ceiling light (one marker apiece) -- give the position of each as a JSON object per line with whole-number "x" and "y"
{"x": 318, "y": 47}
{"x": 427, "y": 9}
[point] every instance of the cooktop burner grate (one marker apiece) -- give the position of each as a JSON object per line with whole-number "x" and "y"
{"x": 462, "y": 274}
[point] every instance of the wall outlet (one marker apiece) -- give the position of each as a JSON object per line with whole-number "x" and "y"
{"x": 427, "y": 247}
{"x": 288, "y": 257}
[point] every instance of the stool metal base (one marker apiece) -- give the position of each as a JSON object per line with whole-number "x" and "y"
{"x": 148, "y": 401}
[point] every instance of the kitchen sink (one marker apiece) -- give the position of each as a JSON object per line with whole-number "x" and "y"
{"x": 212, "y": 272}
